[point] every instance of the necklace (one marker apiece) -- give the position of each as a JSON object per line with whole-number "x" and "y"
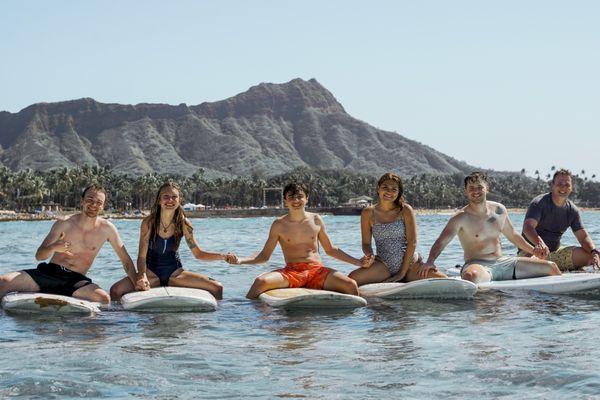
{"x": 165, "y": 227}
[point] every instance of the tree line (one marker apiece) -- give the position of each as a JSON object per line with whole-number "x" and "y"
{"x": 27, "y": 190}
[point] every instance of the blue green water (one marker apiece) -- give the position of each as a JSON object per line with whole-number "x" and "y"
{"x": 520, "y": 345}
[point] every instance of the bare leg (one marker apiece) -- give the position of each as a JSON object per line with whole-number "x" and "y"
{"x": 533, "y": 268}
{"x": 189, "y": 279}
{"x": 414, "y": 271}
{"x": 338, "y": 282}
{"x": 17, "y": 282}
{"x": 92, "y": 292}
{"x": 581, "y": 258}
{"x": 267, "y": 281}
{"x": 476, "y": 274}
{"x": 377, "y": 272}
{"x": 124, "y": 286}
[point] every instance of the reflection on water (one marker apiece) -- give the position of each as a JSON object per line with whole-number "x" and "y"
{"x": 498, "y": 345}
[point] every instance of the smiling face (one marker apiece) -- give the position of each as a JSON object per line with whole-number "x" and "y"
{"x": 476, "y": 191}
{"x": 388, "y": 190}
{"x": 296, "y": 201}
{"x": 169, "y": 198}
{"x": 562, "y": 186}
{"x": 92, "y": 203}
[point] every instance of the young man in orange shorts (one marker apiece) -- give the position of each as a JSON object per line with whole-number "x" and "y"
{"x": 299, "y": 234}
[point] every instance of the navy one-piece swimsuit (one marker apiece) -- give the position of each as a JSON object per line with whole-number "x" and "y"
{"x": 162, "y": 258}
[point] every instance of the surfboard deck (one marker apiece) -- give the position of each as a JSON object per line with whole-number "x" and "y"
{"x": 433, "y": 288}
{"x": 290, "y": 298}
{"x": 34, "y": 303}
{"x": 567, "y": 283}
{"x": 169, "y": 299}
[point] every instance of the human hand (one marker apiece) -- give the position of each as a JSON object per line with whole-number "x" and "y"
{"x": 142, "y": 283}
{"x": 62, "y": 246}
{"x": 541, "y": 251}
{"x": 425, "y": 268}
{"x": 231, "y": 258}
{"x": 367, "y": 260}
{"x": 596, "y": 260}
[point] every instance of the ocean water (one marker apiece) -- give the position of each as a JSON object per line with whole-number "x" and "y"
{"x": 520, "y": 345}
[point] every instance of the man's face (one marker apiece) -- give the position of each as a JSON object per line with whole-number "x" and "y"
{"x": 562, "y": 186}
{"x": 476, "y": 192}
{"x": 92, "y": 203}
{"x": 296, "y": 201}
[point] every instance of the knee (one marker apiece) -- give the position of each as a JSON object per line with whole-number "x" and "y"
{"x": 260, "y": 282}
{"x": 115, "y": 292}
{"x": 351, "y": 287}
{"x": 554, "y": 270}
{"x": 102, "y": 297}
{"x": 470, "y": 275}
{"x": 217, "y": 290}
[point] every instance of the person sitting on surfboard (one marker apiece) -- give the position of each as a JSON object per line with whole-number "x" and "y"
{"x": 72, "y": 245}
{"x": 158, "y": 257}
{"x": 478, "y": 226}
{"x": 299, "y": 233}
{"x": 548, "y": 217}
{"x": 391, "y": 222}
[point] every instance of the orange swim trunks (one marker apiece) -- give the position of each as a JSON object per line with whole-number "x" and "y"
{"x": 304, "y": 274}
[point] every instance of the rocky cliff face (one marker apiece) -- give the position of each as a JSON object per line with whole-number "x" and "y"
{"x": 269, "y": 129}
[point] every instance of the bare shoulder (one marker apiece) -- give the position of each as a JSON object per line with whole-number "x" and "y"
{"x": 459, "y": 216}
{"x": 407, "y": 209}
{"x": 497, "y": 208}
{"x": 187, "y": 225}
{"x": 316, "y": 218}
{"x": 367, "y": 212}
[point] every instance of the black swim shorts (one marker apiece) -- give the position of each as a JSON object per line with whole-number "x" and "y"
{"x": 56, "y": 279}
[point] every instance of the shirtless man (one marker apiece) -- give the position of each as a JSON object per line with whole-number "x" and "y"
{"x": 478, "y": 226}
{"x": 73, "y": 244}
{"x": 299, "y": 234}
{"x": 548, "y": 217}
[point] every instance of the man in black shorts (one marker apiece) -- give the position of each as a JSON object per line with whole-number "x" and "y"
{"x": 73, "y": 244}
{"x": 548, "y": 217}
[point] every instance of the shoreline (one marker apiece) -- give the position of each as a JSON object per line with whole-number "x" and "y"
{"x": 238, "y": 213}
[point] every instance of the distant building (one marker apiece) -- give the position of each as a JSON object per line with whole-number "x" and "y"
{"x": 193, "y": 207}
{"x": 361, "y": 201}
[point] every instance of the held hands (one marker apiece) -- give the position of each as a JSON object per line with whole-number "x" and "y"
{"x": 425, "y": 268}
{"x": 61, "y": 246}
{"x": 142, "y": 283}
{"x": 367, "y": 260}
{"x": 541, "y": 251}
{"x": 231, "y": 258}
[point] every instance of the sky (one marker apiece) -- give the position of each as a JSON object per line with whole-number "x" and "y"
{"x": 502, "y": 85}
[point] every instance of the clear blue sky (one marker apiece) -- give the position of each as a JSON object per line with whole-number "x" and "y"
{"x": 504, "y": 85}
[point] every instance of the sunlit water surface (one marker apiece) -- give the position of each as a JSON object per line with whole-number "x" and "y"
{"x": 494, "y": 346}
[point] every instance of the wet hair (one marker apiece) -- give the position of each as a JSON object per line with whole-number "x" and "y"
{"x": 95, "y": 188}
{"x": 475, "y": 177}
{"x": 389, "y": 176}
{"x": 295, "y": 188}
{"x": 562, "y": 171}
{"x": 178, "y": 218}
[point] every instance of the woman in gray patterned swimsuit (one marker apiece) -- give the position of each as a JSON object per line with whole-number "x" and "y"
{"x": 391, "y": 222}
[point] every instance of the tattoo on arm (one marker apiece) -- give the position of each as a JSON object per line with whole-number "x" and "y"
{"x": 491, "y": 220}
{"x": 190, "y": 242}
{"x": 499, "y": 210}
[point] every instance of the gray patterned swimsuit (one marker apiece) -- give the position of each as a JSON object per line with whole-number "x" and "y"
{"x": 390, "y": 239}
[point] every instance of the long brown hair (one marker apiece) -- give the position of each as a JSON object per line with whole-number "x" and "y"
{"x": 389, "y": 176}
{"x": 179, "y": 219}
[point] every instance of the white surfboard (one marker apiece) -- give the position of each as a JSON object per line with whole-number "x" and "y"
{"x": 169, "y": 299}
{"x": 310, "y": 298}
{"x": 562, "y": 284}
{"x": 30, "y": 303}
{"x": 434, "y": 288}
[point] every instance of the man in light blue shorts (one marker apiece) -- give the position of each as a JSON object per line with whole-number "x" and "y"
{"x": 478, "y": 226}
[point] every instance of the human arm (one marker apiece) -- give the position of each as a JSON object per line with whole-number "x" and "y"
{"x": 588, "y": 245}
{"x": 366, "y": 235}
{"x": 511, "y": 234}
{"x": 188, "y": 233}
{"x": 267, "y": 250}
{"x": 530, "y": 232}
{"x": 139, "y": 282}
{"x": 448, "y": 233}
{"x": 54, "y": 242}
{"x": 410, "y": 224}
{"x": 141, "y": 259}
{"x": 333, "y": 251}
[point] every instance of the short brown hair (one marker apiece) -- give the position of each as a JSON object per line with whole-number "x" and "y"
{"x": 295, "y": 188}
{"x": 475, "y": 177}
{"x": 562, "y": 171}
{"x": 94, "y": 187}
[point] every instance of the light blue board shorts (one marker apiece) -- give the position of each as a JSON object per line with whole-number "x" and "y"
{"x": 502, "y": 269}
